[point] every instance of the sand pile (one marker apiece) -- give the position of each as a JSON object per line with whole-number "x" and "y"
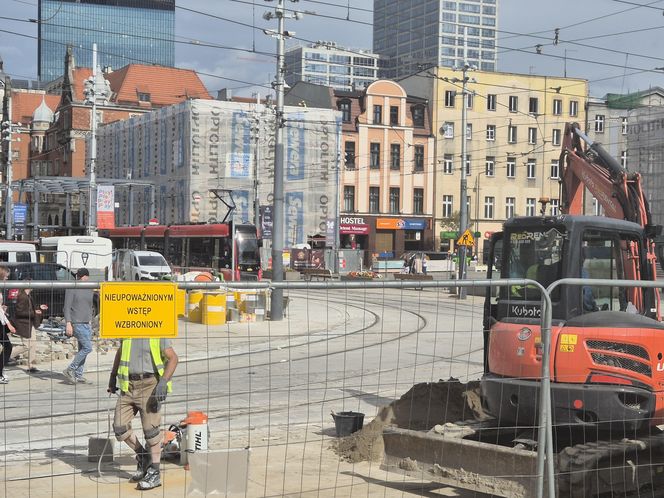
{"x": 421, "y": 408}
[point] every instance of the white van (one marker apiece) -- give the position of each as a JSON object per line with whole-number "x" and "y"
{"x": 17, "y": 252}
{"x": 129, "y": 264}
{"x": 80, "y": 251}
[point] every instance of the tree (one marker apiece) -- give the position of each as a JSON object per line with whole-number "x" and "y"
{"x": 451, "y": 223}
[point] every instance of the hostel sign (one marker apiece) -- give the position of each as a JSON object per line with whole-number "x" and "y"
{"x": 133, "y": 309}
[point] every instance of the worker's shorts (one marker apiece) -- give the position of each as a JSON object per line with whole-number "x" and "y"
{"x": 136, "y": 401}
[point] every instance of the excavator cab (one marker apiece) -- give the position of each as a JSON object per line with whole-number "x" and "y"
{"x": 599, "y": 318}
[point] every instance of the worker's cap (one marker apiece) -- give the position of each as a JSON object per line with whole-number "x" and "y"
{"x": 82, "y": 272}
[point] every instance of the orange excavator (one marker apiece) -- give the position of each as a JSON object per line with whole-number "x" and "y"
{"x": 606, "y": 354}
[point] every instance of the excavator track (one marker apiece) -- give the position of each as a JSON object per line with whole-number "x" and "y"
{"x": 626, "y": 468}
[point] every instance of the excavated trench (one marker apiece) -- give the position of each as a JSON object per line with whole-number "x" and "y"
{"x": 424, "y": 406}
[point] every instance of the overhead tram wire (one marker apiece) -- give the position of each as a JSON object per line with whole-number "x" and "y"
{"x": 139, "y": 61}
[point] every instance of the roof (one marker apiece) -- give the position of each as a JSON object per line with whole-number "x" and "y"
{"x": 165, "y": 85}
{"x": 24, "y": 104}
{"x": 630, "y": 100}
{"x": 310, "y": 94}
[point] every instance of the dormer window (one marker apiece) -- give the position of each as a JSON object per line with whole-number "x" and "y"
{"x": 344, "y": 107}
{"x": 418, "y": 116}
{"x": 143, "y": 97}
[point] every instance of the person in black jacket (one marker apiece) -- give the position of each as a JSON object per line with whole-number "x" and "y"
{"x": 5, "y": 329}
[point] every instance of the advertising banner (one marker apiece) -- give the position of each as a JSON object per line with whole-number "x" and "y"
{"x": 201, "y": 146}
{"x": 20, "y": 217}
{"x": 266, "y": 222}
{"x": 105, "y": 206}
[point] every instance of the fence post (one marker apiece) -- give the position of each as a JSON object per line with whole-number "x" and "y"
{"x": 545, "y": 431}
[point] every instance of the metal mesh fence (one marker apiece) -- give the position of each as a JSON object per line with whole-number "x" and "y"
{"x": 364, "y": 389}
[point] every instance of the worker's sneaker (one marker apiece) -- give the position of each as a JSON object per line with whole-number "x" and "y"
{"x": 69, "y": 375}
{"x": 150, "y": 480}
{"x": 4, "y": 380}
{"x": 143, "y": 461}
{"x": 82, "y": 380}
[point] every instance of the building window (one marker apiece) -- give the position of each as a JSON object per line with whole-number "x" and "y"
{"x": 143, "y": 97}
{"x": 623, "y": 125}
{"x": 418, "y": 116}
{"x": 395, "y": 157}
{"x": 532, "y": 136}
{"x": 447, "y": 206}
{"x": 597, "y": 207}
{"x": 467, "y": 165}
{"x": 449, "y": 98}
{"x": 530, "y": 169}
{"x": 491, "y": 132}
{"x": 344, "y": 107}
{"x": 378, "y": 114}
{"x": 511, "y": 167}
{"x": 555, "y": 207}
{"x": 448, "y": 164}
{"x": 419, "y": 158}
{"x": 491, "y": 102}
{"x": 623, "y": 159}
{"x": 374, "y": 199}
{"x": 511, "y": 134}
{"x": 394, "y": 115}
{"x": 349, "y": 198}
{"x": 557, "y": 107}
{"x": 530, "y": 206}
{"x": 510, "y": 202}
{"x": 513, "y": 103}
{"x": 573, "y": 107}
{"x": 374, "y": 153}
{"x": 469, "y": 131}
{"x": 555, "y": 169}
{"x": 418, "y": 201}
{"x": 489, "y": 166}
{"x": 470, "y": 98}
{"x": 349, "y": 155}
{"x": 533, "y": 105}
{"x": 555, "y": 140}
{"x": 488, "y": 207}
{"x": 448, "y": 129}
{"x": 395, "y": 203}
{"x": 599, "y": 123}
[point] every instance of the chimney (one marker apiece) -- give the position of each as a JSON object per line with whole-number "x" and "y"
{"x": 225, "y": 94}
{"x": 107, "y": 69}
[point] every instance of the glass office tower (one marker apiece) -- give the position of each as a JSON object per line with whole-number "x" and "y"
{"x": 126, "y": 31}
{"x": 410, "y": 35}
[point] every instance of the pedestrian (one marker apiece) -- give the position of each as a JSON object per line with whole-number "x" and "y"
{"x": 406, "y": 264}
{"x": 417, "y": 263}
{"x": 27, "y": 318}
{"x": 78, "y": 313}
{"x": 142, "y": 371}
{"x": 6, "y": 328}
{"x": 425, "y": 264}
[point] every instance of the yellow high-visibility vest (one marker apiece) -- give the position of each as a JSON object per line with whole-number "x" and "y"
{"x": 123, "y": 369}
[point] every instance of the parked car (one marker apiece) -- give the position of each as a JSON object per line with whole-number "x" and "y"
{"x": 39, "y": 272}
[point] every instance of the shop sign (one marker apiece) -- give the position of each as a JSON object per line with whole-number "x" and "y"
{"x": 353, "y": 224}
{"x": 449, "y": 235}
{"x": 400, "y": 224}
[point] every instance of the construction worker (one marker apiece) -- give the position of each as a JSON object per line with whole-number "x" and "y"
{"x": 142, "y": 371}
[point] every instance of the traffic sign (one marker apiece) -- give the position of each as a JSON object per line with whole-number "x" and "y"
{"x": 466, "y": 239}
{"x": 132, "y": 309}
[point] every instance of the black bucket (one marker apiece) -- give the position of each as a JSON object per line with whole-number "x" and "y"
{"x": 347, "y": 422}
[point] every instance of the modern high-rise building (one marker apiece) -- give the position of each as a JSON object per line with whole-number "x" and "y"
{"x": 125, "y": 31}
{"x": 420, "y": 33}
{"x": 324, "y": 63}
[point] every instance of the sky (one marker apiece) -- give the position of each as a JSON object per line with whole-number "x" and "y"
{"x": 615, "y": 44}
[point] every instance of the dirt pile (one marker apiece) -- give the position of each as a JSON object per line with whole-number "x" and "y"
{"x": 421, "y": 408}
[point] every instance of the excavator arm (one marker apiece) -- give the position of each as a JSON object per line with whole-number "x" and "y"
{"x": 586, "y": 164}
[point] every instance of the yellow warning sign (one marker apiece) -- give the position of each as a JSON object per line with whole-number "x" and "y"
{"x": 138, "y": 309}
{"x": 567, "y": 343}
{"x": 466, "y": 239}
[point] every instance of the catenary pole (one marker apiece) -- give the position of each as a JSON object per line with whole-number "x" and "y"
{"x": 276, "y": 300}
